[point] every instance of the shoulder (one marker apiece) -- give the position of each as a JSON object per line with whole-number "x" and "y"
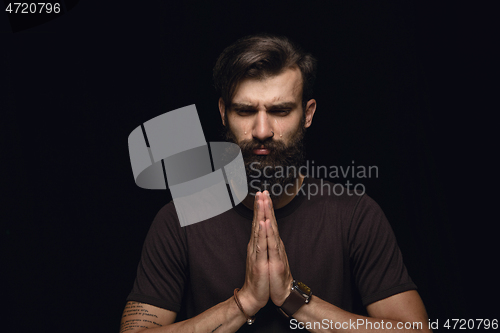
{"x": 166, "y": 225}
{"x": 348, "y": 205}
{"x": 167, "y": 213}
{"x": 333, "y": 195}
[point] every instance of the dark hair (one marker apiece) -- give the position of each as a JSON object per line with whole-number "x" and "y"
{"x": 261, "y": 56}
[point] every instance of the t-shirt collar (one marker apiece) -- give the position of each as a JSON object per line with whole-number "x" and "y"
{"x": 279, "y": 213}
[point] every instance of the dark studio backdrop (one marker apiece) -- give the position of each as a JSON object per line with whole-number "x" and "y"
{"x": 406, "y": 86}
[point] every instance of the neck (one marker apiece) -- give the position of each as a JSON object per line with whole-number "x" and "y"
{"x": 283, "y": 199}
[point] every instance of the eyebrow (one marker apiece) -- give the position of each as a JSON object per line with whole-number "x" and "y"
{"x": 244, "y": 106}
{"x": 241, "y": 106}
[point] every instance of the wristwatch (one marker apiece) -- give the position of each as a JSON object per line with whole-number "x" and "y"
{"x": 300, "y": 294}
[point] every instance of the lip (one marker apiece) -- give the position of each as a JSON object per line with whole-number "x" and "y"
{"x": 261, "y": 151}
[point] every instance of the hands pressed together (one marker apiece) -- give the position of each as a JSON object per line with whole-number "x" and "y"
{"x": 267, "y": 271}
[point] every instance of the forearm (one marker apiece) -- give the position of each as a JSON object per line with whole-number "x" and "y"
{"x": 321, "y": 316}
{"x": 221, "y": 318}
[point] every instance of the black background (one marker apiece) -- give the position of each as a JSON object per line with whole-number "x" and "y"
{"x": 406, "y": 86}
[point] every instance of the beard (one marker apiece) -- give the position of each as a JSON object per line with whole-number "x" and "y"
{"x": 272, "y": 172}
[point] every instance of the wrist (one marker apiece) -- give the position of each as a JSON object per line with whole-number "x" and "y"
{"x": 299, "y": 295}
{"x": 280, "y": 303}
{"x": 248, "y": 302}
{"x": 280, "y": 298}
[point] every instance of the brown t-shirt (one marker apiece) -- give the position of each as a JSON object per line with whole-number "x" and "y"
{"x": 341, "y": 246}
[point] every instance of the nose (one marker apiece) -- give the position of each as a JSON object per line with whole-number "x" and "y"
{"x": 262, "y": 129}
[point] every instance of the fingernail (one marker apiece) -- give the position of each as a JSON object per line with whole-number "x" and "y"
{"x": 267, "y": 194}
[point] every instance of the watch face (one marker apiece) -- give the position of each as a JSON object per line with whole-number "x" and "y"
{"x": 305, "y": 289}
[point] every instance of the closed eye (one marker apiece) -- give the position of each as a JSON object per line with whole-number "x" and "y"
{"x": 245, "y": 112}
{"x": 281, "y": 111}
{"x": 248, "y": 112}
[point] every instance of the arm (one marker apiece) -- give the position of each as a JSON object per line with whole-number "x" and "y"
{"x": 225, "y": 316}
{"x": 392, "y": 313}
{"x": 138, "y": 316}
{"x": 405, "y": 307}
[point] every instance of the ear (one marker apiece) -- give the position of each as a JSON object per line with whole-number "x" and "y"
{"x": 310, "y": 110}
{"x": 222, "y": 110}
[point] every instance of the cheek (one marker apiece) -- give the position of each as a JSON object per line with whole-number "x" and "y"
{"x": 239, "y": 126}
{"x": 238, "y": 131}
{"x": 286, "y": 128}
{"x": 279, "y": 127}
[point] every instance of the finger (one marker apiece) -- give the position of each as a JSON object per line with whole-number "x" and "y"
{"x": 255, "y": 221}
{"x": 261, "y": 248}
{"x": 272, "y": 245}
{"x": 269, "y": 214}
{"x": 259, "y": 218}
{"x": 269, "y": 206}
{"x": 255, "y": 208}
{"x": 260, "y": 210}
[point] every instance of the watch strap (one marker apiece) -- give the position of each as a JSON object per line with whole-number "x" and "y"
{"x": 292, "y": 303}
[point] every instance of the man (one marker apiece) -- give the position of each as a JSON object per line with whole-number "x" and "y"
{"x": 334, "y": 243}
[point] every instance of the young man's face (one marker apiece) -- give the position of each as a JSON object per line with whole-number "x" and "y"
{"x": 260, "y": 108}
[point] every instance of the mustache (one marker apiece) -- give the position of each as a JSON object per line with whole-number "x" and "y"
{"x": 247, "y": 146}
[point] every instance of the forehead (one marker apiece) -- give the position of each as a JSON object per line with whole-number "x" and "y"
{"x": 284, "y": 87}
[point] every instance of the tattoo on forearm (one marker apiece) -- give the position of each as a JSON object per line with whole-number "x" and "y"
{"x": 215, "y": 329}
{"x": 137, "y": 310}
